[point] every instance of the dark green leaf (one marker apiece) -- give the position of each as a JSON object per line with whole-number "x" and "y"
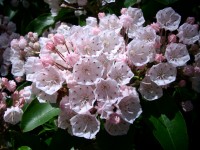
{"x": 128, "y": 3}
{"x": 63, "y": 14}
{"x": 37, "y": 114}
{"x": 171, "y": 134}
{"x": 24, "y": 148}
{"x": 167, "y": 123}
{"x": 40, "y": 23}
{"x": 166, "y": 2}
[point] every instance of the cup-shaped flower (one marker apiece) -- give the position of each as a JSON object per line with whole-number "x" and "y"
{"x": 162, "y": 73}
{"x": 87, "y": 71}
{"x": 115, "y": 125}
{"x": 107, "y": 90}
{"x": 49, "y": 80}
{"x": 81, "y": 98}
{"x": 13, "y": 115}
{"x": 150, "y": 90}
{"x": 85, "y": 125}
{"x": 121, "y": 72}
{"x": 177, "y": 54}
{"x": 140, "y": 53}
{"x": 188, "y": 33}
{"x": 168, "y": 19}
{"x": 130, "y": 108}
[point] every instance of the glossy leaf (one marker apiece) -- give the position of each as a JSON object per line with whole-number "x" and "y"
{"x": 167, "y": 124}
{"x": 24, "y": 148}
{"x": 37, "y": 114}
{"x": 128, "y": 3}
{"x": 171, "y": 134}
{"x": 40, "y": 23}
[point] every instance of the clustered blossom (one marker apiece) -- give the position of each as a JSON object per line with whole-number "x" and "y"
{"x": 96, "y": 64}
{"x": 7, "y": 34}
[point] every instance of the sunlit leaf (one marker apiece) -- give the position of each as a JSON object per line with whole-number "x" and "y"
{"x": 40, "y": 23}
{"x": 167, "y": 123}
{"x": 37, "y": 114}
{"x": 24, "y": 148}
{"x": 128, "y": 3}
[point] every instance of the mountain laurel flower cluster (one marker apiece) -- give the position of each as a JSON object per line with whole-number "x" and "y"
{"x": 99, "y": 72}
{"x": 7, "y": 34}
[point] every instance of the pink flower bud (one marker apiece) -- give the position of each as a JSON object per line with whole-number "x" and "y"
{"x": 190, "y": 20}
{"x": 123, "y": 10}
{"x": 197, "y": 70}
{"x": 11, "y": 86}
{"x": 50, "y": 46}
{"x": 101, "y": 15}
{"x": 36, "y": 46}
{"x": 58, "y": 39}
{"x": 172, "y": 38}
{"x": 188, "y": 70}
{"x": 182, "y": 83}
{"x": 159, "y": 58}
{"x": 4, "y": 81}
{"x": 155, "y": 26}
{"x": 22, "y": 43}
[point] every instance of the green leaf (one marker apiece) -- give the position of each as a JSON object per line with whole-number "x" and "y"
{"x": 37, "y": 114}
{"x": 166, "y": 2}
{"x": 167, "y": 123}
{"x": 24, "y": 148}
{"x": 40, "y": 23}
{"x": 171, "y": 134}
{"x": 128, "y": 3}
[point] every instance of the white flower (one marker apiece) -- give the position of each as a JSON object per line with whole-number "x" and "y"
{"x": 81, "y": 98}
{"x": 115, "y": 125}
{"x": 17, "y": 67}
{"x": 89, "y": 45}
{"x": 137, "y": 16}
{"x": 42, "y": 96}
{"x": 66, "y": 114}
{"x": 162, "y": 73}
{"x": 113, "y": 43}
{"x": 13, "y": 115}
{"x": 107, "y": 90}
{"x": 168, "y": 19}
{"x": 49, "y": 80}
{"x": 188, "y": 33}
{"x": 150, "y": 90}
{"x": 85, "y": 125}
{"x": 32, "y": 66}
{"x": 87, "y": 71}
{"x": 121, "y": 72}
{"x": 140, "y": 53}
{"x": 110, "y": 22}
{"x": 177, "y": 54}
{"x": 130, "y": 108}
